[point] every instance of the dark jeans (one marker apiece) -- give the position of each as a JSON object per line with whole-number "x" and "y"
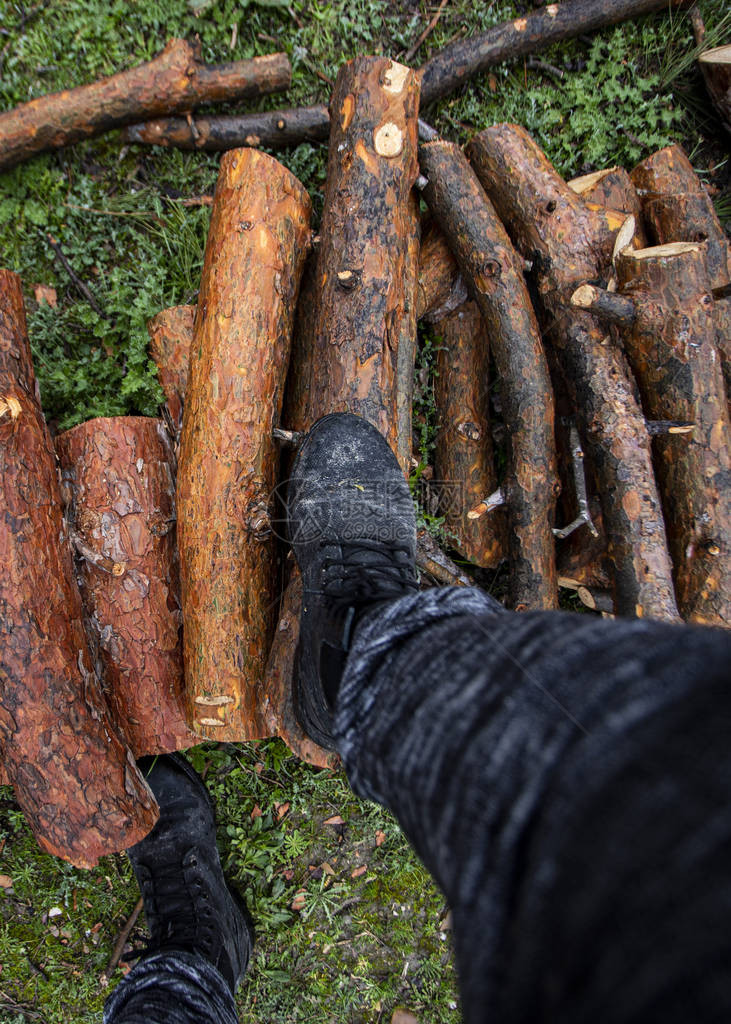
{"x": 567, "y": 781}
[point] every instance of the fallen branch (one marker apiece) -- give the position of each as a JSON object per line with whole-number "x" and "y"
{"x": 571, "y": 243}
{"x": 431, "y": 559}
{"x": 413, "y": 50}
{"x": 173, "y": 82}
{"x": 583, "y": 516}
{"x": 494, "y": 275}
{"x": 121, "y": 943}
{"x": 80, "y": 285}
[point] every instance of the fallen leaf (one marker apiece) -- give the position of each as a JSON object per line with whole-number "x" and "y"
{"x": 256, "y": 813}
{"x": 327, "y": 869}
{"x": 45, "y": 293}
{"x": 404, "y": 1017}
{"x": 299, "y": 899}
{"x": 380, "y": 838}
{"x": 492, "y": 83}
{"x": 6, "y": 882}
{"x": 335, "y": 820}
{"x": 288, "y": 873}
{"x": 281, "y": 810}
{"x": 359, "y": 871}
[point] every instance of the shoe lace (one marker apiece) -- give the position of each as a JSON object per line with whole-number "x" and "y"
{"x": 178, "y": 916}
{"x": 367, "y": 570}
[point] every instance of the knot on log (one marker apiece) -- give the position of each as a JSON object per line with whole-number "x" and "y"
{"x": 388, "y": 140}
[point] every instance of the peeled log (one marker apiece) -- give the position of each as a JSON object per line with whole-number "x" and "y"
{"x": 171, "y": 83}
{"x": 716, "y": 68}
{"x": 463, "y": 457}
{"x": 677, "y": 208}
{"x": 671, "y": 346}
{"x": 570, "y": 244}
{"x": 119, "y": 479}
{"x": 494, "y": 274}
{"x": 62, "y": 752}
{"x": 363, "y": 332}
{"x": 227, "y": 467}
{"x": 171, "y": 332}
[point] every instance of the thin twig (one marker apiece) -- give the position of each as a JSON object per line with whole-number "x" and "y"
{"x": 412, "y": 51}
{"x": 577, "y": 465}
{"x": 536, "y": 64}
{"x": 83, "y": 288}
{"x": 431, "y": 559}
{"x": 121, "y": 942}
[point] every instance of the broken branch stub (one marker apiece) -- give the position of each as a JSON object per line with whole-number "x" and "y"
{"x": 671, "y": 346}
{"x": 571, "y": 243}
{"x": 494, "y": 274}
{"x": 227, "y": 468}
{"x": 61, "y": 750}
{"x": 173, "y": 82}
{"x": 119, "y": 481}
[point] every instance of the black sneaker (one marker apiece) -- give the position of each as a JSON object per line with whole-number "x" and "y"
{"x": 352, "y": 526}
{"x": 189, "y": 906}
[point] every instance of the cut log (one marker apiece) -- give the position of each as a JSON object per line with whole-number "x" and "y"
{"x": 463, "y": 456}
{"x": 612, "y": 189}
{"x": 722, "y": 316}
{"x": 364, "y": 319}
{"x": 61, "y": 750}
{"x": 120, "y": 487}
{"x": 715, "y": 66}
{"x": 257, "y": 243}
{"x": 677, "y": 208}
{"x": 570, "y": 243}
{"x": 275, "y": 129}
{"x": 441, "y": 289}
{"x": 171, "y": 83}
{"x": 171, "y": 332}
{"x": 494, "y": 274}
{"x": 671, "y": 346}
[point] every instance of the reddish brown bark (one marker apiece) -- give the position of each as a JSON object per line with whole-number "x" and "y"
{"x": 570, "y": 243}
{"x": 171, "y": 333}
{"x": 494, "y": 274}
{"x": 73, "y": 775}
{"x": 258, "y": 239}
{"x": 275, "y": 129}
{"x": 671, "y": 346}
{"x": 120, "y": 488}
{"x": 463, "y": 457}
{"x": 677, "y": 208}
{"x": 722, "y": 316}
{"x": 364, "y": 319}
{"x": 716, "y": 68}
{"x": 440, "y": 287}
{"x": 612, "y": 189}
{"x": 173, "y": 82}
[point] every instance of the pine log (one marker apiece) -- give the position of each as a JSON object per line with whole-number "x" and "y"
{"x": 364, "y": 319}
{"x": 446, "y": 71}
{"x": 612, "y": 189}
{"x": 722, "y": 316}
{"x": 494, "y": 274}
{"x": 61, "y": 750}
{"x": 275, "y": 129}
{"x": 715, "y": 66}
{"x": 570, "y": 243}
{"x": 441, "y": 289}
{"x": 463, "y": 456}
{"x": 677, "y": 208}
{"x": 120, "y": 487}
{"x": 671, "y": 346}
{"x": 171, "y": 83}
{"x": 257, "y": 243}
{"x": 171, "y": 332}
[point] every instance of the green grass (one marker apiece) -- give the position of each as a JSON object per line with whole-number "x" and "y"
{"x": 362, "y": 945}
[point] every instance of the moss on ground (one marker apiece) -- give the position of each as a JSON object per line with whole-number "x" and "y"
{"x": 360, "y": 942}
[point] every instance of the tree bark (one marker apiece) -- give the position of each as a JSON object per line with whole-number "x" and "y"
{"x": 463, "y": 457}
{"x": 677, "y": 208}
{"x": 494, "y": 274}
{"x": 715, "y": 66}
{"x": 364, "y": 318}
{"x": 257, "y": 243}
{"x": 612, "y": 189}
{"x": 171, "y": 83}
{"x": 120, "y": 487}
{"x": 62, "y": 752}
{"x": 569, "y": 244}
{"x": 441, "y": 289}
{"x": 671, "y": 346}
{"x": 171, "y": 333}
{"x": 275, "y": 129}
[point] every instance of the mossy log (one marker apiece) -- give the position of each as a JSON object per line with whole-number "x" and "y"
{"x": 171, "y": 332}
{"x": 677, "y": 208}
{"x": 119, "y": 483}
{"x": 171, "y": 83}
{"x": 463, "y": 456}
{"x": 363, "y": 333}
{"x": 73, "y": 775}
{"x": 227, "y": 466}
{"x": 715, "y": 66}
{"x": 671, "y": 346}
{"x": 569, "y": 244}
{"x": 493, "y": 273}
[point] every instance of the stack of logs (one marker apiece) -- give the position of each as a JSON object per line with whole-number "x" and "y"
{"x": 607, "y": 357}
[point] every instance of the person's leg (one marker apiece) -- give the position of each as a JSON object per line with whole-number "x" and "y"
{"x": 199, "y": 936}
{"x": 565, "y": 779}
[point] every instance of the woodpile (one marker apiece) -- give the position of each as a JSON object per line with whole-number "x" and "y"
{"x": 148, "y": 602}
